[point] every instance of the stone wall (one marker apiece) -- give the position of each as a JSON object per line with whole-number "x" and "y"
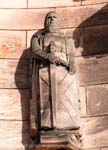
{"x": 87, "y": 22}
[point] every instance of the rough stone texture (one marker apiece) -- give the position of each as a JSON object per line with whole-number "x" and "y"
{"x": 12, "y": 44}
{"x": 97, "y": 100}
{"x": 83, "y": 16}
{"x": 52, "y": 147}
{"x": 14, "y": 135}
{"x": 76, "y": 33}
{"x": 14, "y": 73}
{"x": 92, "y": 149}
{"x": 86, "y": 76}
{"x": 13, "y": 3}
{"x": 82, "y": 99}
{"x": 87, "y": 2}
{"x": 49, "y": 3}
{"x": 95, "y": 132}
{"x": 95, "y": 40}
{"x": 23, "y": 18}
{"x": 92, "y": 70}
{"x": 73, "y": 17}
{"x": 14, "y": 104}
{"x": 29, "y": 36}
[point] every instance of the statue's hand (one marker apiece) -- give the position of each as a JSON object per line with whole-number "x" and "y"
{"x": 53, "y": 59}
{"x": 72, "y": 69}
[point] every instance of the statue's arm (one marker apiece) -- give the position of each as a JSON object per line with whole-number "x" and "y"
{"x": 38, "y": 53}
{"x": 71, "y": 53}
{"x": 37, "y": 50}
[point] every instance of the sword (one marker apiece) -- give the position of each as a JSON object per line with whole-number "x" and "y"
{"x": 53, "y": 88}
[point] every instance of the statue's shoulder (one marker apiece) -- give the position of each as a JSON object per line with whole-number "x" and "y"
{"x": 69, "y": 43}
{"x": 39, "y": 34}
{"x": 69, "y": 39}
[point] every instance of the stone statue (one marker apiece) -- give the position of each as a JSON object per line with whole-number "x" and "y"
{"x": 54, "y": 105}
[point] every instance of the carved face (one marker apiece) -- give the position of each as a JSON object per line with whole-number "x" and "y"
{"x": 52, "y": 19}
{"x": 52, "y": 22}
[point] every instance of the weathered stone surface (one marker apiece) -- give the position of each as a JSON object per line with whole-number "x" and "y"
{"x": 14, "y": 135}
{"x": 82, "y": 99}
{"x": 73, "y": 17}
{"x": 23, "y": 18}
{"x": 14, "y": 104}
{"x": 12, "y": 44}
{"x": 95, "y": 132}
{"x": 54, "y": 87}
{"x": 92, "y": 149}
{"x": 51, "y": 147}
{"x": 87, "y": 2}
{"x": 14, "y": 73}
{"x": 13, "y": 3}
{"x": 97, "y": 100}
{"x": 92, "y": 70}
{"x": 29, "y": 36}
{"x": 83, "y": 16}
{"x": 95, "y": 40}
{"x": 76, "y": 34}
{"x": 55, "y": 3}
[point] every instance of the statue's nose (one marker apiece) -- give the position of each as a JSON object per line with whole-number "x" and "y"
{"x": 52, "y": 19}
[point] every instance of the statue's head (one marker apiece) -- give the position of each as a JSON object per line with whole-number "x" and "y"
{"x": 52, "y": 22}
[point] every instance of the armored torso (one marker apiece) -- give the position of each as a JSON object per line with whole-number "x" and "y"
{"x": 59, "y": 45}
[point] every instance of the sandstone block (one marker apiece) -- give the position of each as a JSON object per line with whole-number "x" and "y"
{"x": 87, "y": 2}
{"x": 49, "y": 3}
{"x": 23, "y": 18}
{"x": 12, "y": 44}
{"x": 95, "y": 132}
{"x": 14, "y": 104}
{"x": 83, "y": 15}
{"x": 95, "y": 40}
{"x": 97, "y": 100}
{"x": 13, "y": 4}
{"x": 92, "y": 70}
{"x": 14, "y": 135}
{"x": 14, "y": 73}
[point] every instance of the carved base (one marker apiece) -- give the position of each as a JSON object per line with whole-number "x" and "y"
{"x": 59, "y": 140}
{"x": 52, "y": 147}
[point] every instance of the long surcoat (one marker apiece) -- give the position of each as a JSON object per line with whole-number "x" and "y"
{"x": 54, "y": 89}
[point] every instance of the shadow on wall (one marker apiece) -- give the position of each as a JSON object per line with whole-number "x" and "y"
{"x": 95, "y": 42}
{"x": 22, "y": 81}
{"x": 94, "y": 31}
